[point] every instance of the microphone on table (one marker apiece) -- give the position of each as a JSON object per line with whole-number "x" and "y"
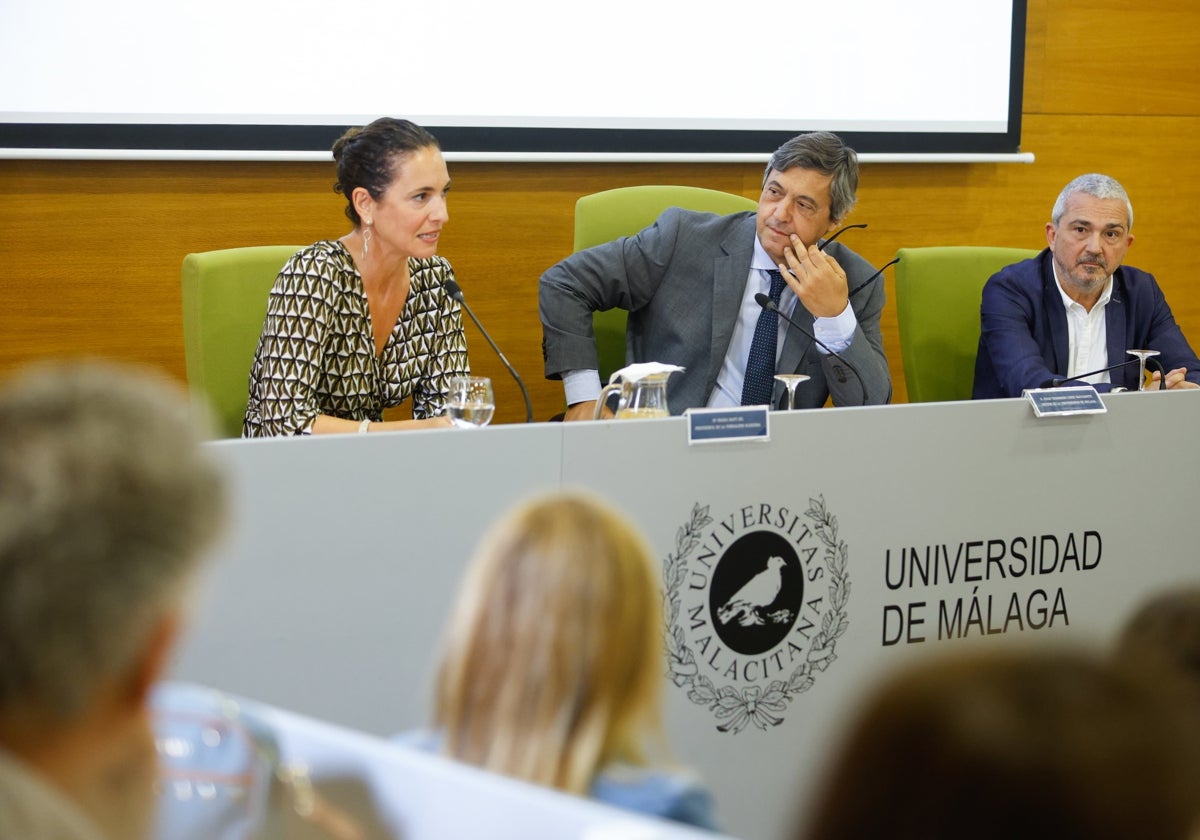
{"x": 455, "y": 292}
{"x": 1058, "y": 381}
{"x": 771, "y": 306}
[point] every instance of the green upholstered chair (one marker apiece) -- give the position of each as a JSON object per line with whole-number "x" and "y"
{"x": 224, "y": 304}
{"x": 938, "y": 291}
{"x": 604, "y": 216}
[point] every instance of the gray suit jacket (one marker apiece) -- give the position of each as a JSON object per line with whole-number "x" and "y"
{"x": 682, "y": 281}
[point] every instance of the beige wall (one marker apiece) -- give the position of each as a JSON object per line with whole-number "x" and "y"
{"x": 90, "y": 251}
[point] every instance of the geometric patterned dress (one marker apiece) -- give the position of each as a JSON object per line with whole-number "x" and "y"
{"x": 316, "y": 354}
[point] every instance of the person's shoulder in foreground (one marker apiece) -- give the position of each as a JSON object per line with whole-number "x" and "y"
{"x": 677, "y": 795}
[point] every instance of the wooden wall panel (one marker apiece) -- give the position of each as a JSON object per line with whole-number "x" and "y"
{"x": 1035, "y": 55}
{"x": 1117, "y": 57}
{"x": 90, "y": 251}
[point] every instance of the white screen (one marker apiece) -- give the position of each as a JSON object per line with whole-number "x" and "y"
{"x": 691, "y": 69}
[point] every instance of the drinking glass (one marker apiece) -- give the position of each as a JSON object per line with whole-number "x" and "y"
{"x": 470, "y": 403}
{"x": 214, "y": 778}
{"x": 790, "y": 381}
{"x": 1142, "y": 355}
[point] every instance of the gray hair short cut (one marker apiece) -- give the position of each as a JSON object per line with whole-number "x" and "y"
{"x": 1095, "y": 185}
{"x": 824, "y": 152}
{"x": 106, "y": 503}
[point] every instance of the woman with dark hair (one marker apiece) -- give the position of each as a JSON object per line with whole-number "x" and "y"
{"x": 361, "y": 323}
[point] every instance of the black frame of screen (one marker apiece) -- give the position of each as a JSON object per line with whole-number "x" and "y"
{"x": 551, "y": 141}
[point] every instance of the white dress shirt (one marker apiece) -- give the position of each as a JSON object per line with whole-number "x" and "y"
{"x": 1087, "y": 334}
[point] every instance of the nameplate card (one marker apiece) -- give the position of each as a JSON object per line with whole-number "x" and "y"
{"x": 721, "y": 425}
{"x": 1061, "y": 402}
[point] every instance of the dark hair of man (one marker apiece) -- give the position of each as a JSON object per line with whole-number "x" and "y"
{"x": 823, "y": 152}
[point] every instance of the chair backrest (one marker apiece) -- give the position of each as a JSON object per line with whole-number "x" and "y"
{"x": 604, "y": 216}
{"x": 224, "y": 304}
{"x": 938, "y": 292}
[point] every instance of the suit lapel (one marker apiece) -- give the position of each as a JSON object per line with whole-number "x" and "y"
{"x": 1056, "y": 316}
{"x": 1114, "y": 329}
{"x": 795, "y": 344}
{"x": 731, "y": 268}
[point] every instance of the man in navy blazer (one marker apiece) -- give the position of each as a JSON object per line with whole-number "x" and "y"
{"x": 1074, "y": 308}
{"x": 689, "y": 280}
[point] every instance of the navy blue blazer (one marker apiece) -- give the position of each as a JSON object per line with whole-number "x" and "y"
{"x": 1023, "y": 340}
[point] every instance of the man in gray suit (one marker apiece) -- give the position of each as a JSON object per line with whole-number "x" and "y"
{"x": 689, "y": 283}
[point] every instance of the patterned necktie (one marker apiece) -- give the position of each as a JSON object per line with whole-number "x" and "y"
{"x": 760, "y": 364}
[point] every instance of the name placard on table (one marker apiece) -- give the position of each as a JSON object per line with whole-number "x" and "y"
{"x": 1061, "y": 402}
{"x": 719, "y": 425}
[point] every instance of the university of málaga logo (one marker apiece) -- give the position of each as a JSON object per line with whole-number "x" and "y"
{"x": 755, "y": 603}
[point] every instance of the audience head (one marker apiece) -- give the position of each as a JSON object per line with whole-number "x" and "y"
{"x": 552, "y": 663}
{"x": 106, "y": 503}
{"x": 1164, "y": 633}
{"x": 1015, "y": 744}
{"x": 369, "y": 158}
{"x": 809, "y": 187}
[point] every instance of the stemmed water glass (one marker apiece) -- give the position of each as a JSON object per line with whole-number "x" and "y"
{"x": 1142, "y": 355}
{"x": 790, "y": 381}
{"x": 470, "y": 403}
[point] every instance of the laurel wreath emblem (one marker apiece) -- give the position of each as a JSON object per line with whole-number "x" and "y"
{"x": 756, "y": 705}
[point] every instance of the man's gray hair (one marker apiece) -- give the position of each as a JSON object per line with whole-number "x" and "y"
{"x": 107, "y": 501}
{"x": 824, "y": 152}
{"x": 1095, "y": 185}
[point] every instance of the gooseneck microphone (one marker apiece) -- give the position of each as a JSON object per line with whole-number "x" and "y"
{"x": 766, "y": 303}
{"x": 455, "y": 292}
{"x": 1059, "y": 381}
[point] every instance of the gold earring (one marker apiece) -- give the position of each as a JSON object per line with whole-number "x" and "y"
{"x": 366, "y": 238}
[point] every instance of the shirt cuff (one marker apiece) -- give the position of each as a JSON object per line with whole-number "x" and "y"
{"x": 836, "y": 332}
{"x": 581, "y": 385}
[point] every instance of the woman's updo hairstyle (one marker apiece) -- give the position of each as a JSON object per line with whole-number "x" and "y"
{"x": 365, "y": 157}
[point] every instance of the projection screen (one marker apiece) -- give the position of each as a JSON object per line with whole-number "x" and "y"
{"x": 540, "y": 78}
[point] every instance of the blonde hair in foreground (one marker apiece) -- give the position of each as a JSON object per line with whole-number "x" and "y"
{"x": 552, "y": 662}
